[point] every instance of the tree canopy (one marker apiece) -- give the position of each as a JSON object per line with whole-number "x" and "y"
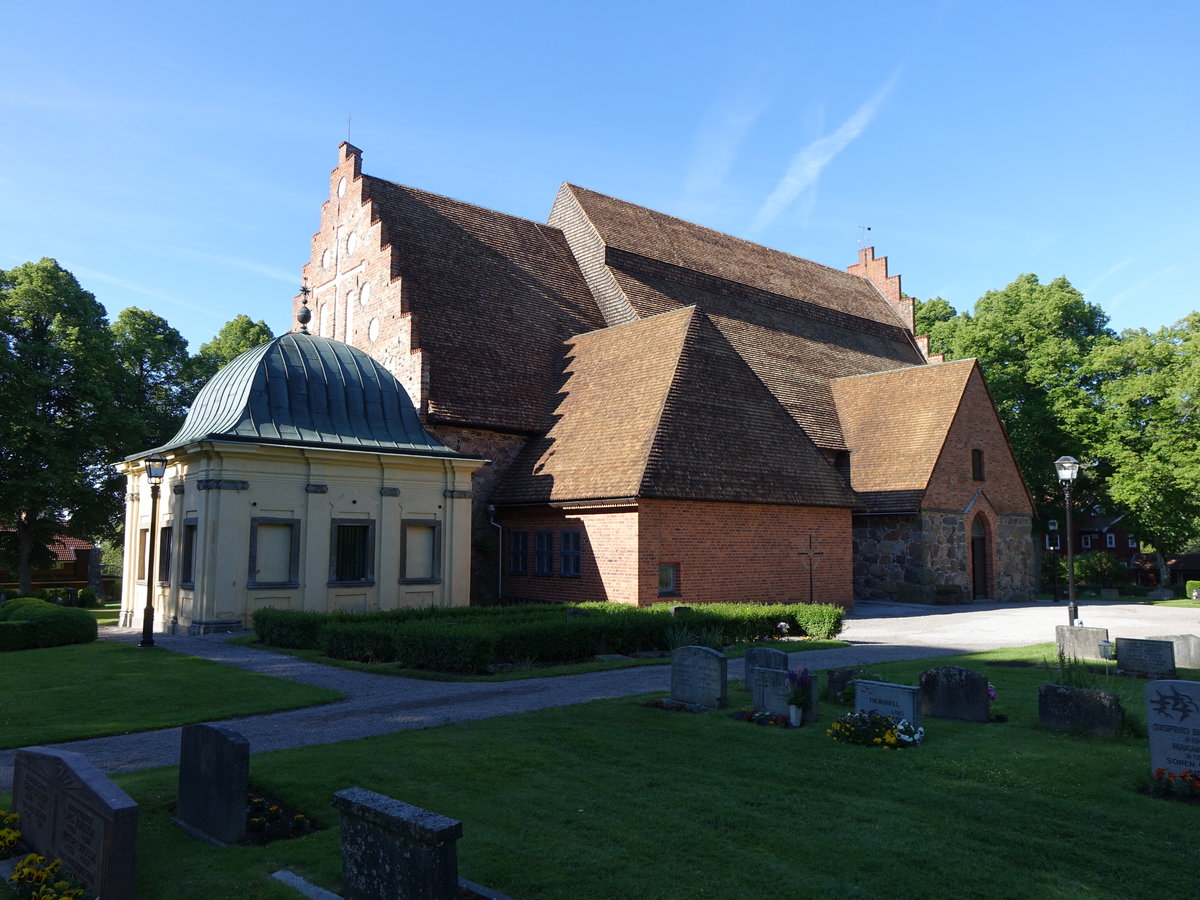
{"x": 161, "y": 379}
{"x": 61, "y": 417}
{"x": 237, "y": 336}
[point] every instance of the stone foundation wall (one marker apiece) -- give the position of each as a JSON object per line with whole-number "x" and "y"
{"x": 923, "y": 559}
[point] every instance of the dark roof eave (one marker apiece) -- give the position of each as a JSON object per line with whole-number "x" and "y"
{"x": 300, "y": 445}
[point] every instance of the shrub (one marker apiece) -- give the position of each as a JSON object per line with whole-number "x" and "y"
{"x": 12, "y": 609}
{"x": 820, "y": 620}
{"x": 87, "y": 598}
{"x": 289, "y": 628}
{"x": 17, "y": 636}
{"x": 61, "y": 625}
{"x": 369, "y": 642}
{"x": 1191, "y": 586}
{"x": 445, "y": 647}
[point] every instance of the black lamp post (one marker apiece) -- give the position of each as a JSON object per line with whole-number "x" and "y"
{"x": 1068, "y": 468}
{"x": 156, "y": 467}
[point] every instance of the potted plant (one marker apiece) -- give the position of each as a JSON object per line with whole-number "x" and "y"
{"x": 800, "y": 697}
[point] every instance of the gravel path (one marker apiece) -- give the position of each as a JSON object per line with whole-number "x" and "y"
{"x": 379, "y": 704}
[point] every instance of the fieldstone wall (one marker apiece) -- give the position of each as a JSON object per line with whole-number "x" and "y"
{"x": 923, "y": 558}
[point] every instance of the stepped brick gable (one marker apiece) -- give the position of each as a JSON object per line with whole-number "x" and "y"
{"x": 673, "y": 413}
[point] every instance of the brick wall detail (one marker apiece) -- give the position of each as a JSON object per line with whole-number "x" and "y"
{"x": 725, "y": 552}
{"x": 876, "y": 272}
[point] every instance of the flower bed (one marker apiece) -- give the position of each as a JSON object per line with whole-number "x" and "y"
{"x": 872, "y": 729}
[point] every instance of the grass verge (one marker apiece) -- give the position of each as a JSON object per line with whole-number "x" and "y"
{"x": 615, "y": 799}
{"x": 93, "y": 690}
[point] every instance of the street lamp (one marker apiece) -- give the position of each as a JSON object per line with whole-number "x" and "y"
{"x": 156, "y": 467}
{"x": 1068, "y": 468}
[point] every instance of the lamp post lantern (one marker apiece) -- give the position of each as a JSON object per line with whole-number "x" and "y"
{"x": 1068, "y": 468}
{"x": 156, "y": 467}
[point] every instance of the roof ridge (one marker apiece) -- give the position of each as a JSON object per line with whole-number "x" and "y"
{"x": 447, "y": 197}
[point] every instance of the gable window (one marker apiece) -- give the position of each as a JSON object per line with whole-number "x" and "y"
{"x": 1086, "y": 542}
{"x": 518, "y": 553}
{"x": 352, "y": 551}
{"x": 977, "y": 465}
{"x": 187, "y": 555}
{"x": 164, "y": 552}
{"x": 1110, "y": 540}
{"x": 274, "y": 552}
{"x": 543, "y": 553}
{"x": 570, "y": 554}
{"x": 668, "y": 580}
{"x": 421, "y": 551}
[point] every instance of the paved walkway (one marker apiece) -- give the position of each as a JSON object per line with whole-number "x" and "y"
{"x": 380, "y": 704}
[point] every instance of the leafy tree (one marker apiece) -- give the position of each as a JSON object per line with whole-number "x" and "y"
{"x": 1033, "y": 342}
{"x": 236, "y": 336}
{"x": 928, "y": 313}
{"x": 1149, "y": 435}
{"x": 160, "y": 383}
{"x": 62, "y": 418}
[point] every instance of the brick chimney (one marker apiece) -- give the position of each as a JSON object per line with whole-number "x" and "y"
{"x": 876, "y": 272}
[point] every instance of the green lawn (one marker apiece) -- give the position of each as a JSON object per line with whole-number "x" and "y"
{"x": 91, "y": 690}
{"x": 615, "y": 799}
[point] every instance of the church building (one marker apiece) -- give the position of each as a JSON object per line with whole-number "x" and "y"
{"x": 670, "y": 412}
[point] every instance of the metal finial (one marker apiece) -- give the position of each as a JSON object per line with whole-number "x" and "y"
{"x": 304, "y": 315}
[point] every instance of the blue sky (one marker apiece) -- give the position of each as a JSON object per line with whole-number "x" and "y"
{"x": 175, "y": 156}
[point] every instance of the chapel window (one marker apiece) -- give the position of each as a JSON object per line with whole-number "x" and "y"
{"x": 352, "y": 552}
{"x": 977, "y": 465}
{"x": 518, "y": 552}
{"x": 164, "y": 552}
{"x": 187, "y": 555}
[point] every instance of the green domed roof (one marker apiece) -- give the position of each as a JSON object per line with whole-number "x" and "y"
{"x": 301, "y": 389}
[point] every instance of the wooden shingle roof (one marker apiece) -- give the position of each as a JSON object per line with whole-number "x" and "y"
{"x": 796, "y": 324}
{"x": 493, "y": 297}
{"x": 895, "y": 425}
{"x": 665, "y": 408}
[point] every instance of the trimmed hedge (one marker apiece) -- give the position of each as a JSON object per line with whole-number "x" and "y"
{"x": 470, "y": 639}
{"x": 47, "y": 625}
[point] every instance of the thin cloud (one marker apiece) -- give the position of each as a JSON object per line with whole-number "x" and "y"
{"x": 717, "y": 145}
{"x": 806, "y": 167}
{"x": 245, "y": 265}
{"x": 1112, "y": 270}
{"x": 94, "y": 275}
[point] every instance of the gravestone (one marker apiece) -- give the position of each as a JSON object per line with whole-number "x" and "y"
{"x": 769, "y": 689}
{"x": 1080, "y": 642}
{"x": 70, "y": 810}
{"x": 1149, "y": 659}
{"x": 699, "y": 676}
{"x": 952, "y": 692}
{"x": 1187, "y": 648}
{"x": 1161, "y": 594}
{"x": 1109, "y": 594}
{"x": 214, "y": 777}
{"x": 900, "y": 701}
{"x": 765, "y": 658}
{"x": 837, "y": 680}
{"x": 394, "y": 850}
{"x": 1082, "y": 710}
{"x": 1173, "y": 722}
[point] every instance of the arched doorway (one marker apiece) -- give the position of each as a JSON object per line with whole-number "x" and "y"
{"x": 979, "y": 559}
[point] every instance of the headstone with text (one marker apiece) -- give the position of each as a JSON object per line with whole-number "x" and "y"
{"x": 1080, "y": 642}
{"x": 1173, "y": 723}
{"x": 700, "y": 676}
{"x": 1147, "y": 659}
{"x": 214, "y": 777}
{"x": 769, "y": 689}
{"x": 1187, "y": 648}
{"x": 900, "y": 701}
{"x": 69, "y": 809}
{"x": 952, "y": 692}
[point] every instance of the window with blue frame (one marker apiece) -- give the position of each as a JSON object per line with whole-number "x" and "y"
{"x": 518, "y": 553}
{"x": 570, "y": 554}
{"x": 543, "y": 553}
